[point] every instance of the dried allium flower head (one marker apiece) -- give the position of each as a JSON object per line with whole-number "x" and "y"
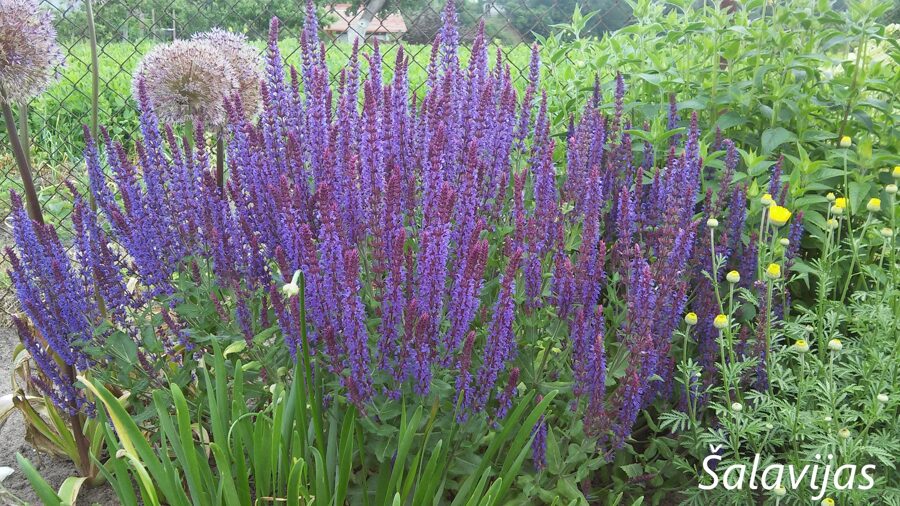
{"x": 185, "y": 80}
{"x": 29, "y": 54}
{"x": 244, "y": 60}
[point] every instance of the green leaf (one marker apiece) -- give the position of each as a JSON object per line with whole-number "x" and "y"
{"x": 43, "y": 490}
{"x": 774, "y": 137}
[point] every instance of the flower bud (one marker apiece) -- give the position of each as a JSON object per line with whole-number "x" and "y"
{"x": 779, "y": 491}
{"x": 882, "y": 398}
{"x": 835, "y": 345}
{"x": 733, "y": 277}
{"x": 801, "y": 346}
{"x": 832, "y": 223}
{"x": 720, "y": 322}
{"x": 712, "y": 223}
{"x": 690, "y": 319}
{"x": 874, "y": 205}
{"x": 784, "y": 241}
{"x": 737, "y": 406}
{"x": 830, "y": 197}
{"x": 291, "y": 289}
{"x": 773, "y": 271}
{"x": 844, "y": 433}
{"x": 846, "y": 142}
{"x": 766, "y": 200}
{"x": 887, "y": 232}
{"x": 891, "y": 189}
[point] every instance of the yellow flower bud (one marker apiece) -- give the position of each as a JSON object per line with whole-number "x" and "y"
{"x": 837, "y": 211}
{"x": 773, "y": 271}
{"x": 690, "y": 319}
{"x": 883, "y": 398}
{"x": 737, "y": 406}
{"x": 827, "y": 502}
{"x": 840, "y": 202}
{"x": 832, "y": 223}
{"x": 778, "y": 215}
{"x": 720, "y": 322}
{"x": 835, "y": 345}
{"x": 766, "y": 200}
{"x": 874, "y": 205}
{"x": 896, "y": 172}
{"x": 887, "y": 232}
{"x": 890, "y": 189}
{"x": 846, "y": 141}
{"x": 801, "y": 345}
{"x": 830, "y": 196}
{"x": 733, "y": 276}
{"x": 844, "y": 433}
{"x": 712, "y": 223}
{"x": 784, "y": 241}
{"x": 779, "y": 491}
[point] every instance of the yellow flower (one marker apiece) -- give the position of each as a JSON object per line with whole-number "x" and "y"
{"x": 827, "y": 502}
{"x": 896, "y": 172}
{"x": 840, "y": 202}
{"x": 801, "y": 345}
{"x": 733, "y": 276}
{"x": 773, "y": 271}
{"x": 720, "y": 322}
{"x": 778, "y": 215}
{"x": 835, "y": 345}
{"x": 690, "y": 319}
{"x": 766, "y": 200}
{"x": 874, "y": 205}
{"x": 846, "y": 142}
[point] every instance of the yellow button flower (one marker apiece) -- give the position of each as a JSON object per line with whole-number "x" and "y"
{"x": 690, "y": 319}
{"x": 896, "y": 172}
{"x": 720, "y": 322}
{"x": 832, "y": 223}
{"x": 840, "y": 202}
{"x": 766, "y": 200}
{"x": 846, "y": 141}
{"x": 733, "y": 277}
{"x": 827, "y": 502}
{"x": 778, "y": 215}
{"x": 801, "y": 345}
{"x": 874, "y": 205}
{"x": 773, "y": 271}
{"x": 835, "y": 345}
{"x": 844, "y": 433}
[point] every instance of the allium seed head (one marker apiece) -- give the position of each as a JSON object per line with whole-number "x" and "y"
{"x": 29, "y": 54}
{"x": 244, "y": 61}
{"x": 185, "y": 80}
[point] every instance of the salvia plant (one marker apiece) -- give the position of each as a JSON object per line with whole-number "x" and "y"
{"x": 411, "y": 297}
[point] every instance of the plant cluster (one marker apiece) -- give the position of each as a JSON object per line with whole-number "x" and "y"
{"x": 401, "y": 297}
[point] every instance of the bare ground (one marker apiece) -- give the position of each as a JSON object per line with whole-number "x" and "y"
{"x": 12, "y": 441}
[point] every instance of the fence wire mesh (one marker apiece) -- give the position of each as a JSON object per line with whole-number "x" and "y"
{"x": 126, "y": 29}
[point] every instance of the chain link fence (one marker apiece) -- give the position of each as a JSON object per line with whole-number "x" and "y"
{"x": 126, "y": 29}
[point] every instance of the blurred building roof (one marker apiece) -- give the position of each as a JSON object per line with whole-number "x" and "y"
{"x": 393, "y": 23}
